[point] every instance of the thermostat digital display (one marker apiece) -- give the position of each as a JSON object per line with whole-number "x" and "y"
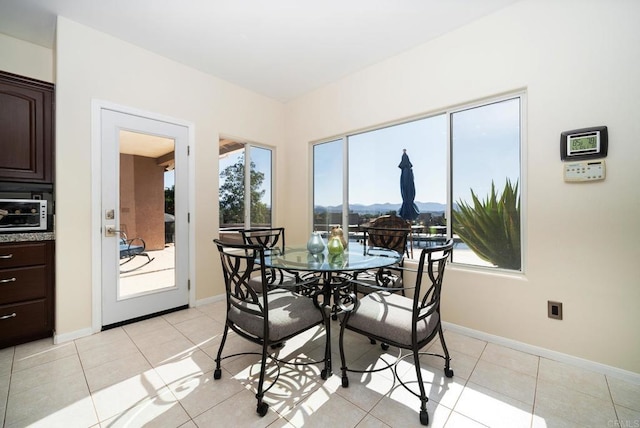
{"x": 584, "y": 143}
{"x": 579, "y": 144}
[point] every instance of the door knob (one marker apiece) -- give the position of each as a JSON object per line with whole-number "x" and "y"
{"x": 110, "y": 230}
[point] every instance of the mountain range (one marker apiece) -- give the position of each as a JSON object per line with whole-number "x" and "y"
{"x": 423, "y": 207}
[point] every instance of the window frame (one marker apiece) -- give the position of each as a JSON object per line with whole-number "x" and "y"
{"x": 448, "y": 112}
{"x": 247, "y": 148}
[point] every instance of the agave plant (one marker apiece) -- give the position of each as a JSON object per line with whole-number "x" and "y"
{"x": 491, "y": 227}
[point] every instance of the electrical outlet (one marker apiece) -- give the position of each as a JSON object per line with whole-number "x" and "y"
{"x": 554, "y": 310}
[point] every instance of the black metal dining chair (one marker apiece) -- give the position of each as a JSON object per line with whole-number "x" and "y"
{"x": 405, "y": 322}
{"x": 268, "y": 316}
{"x": 272, "y": 239}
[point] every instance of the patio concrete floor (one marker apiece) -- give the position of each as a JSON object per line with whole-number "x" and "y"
{"x": 158, "y": 274}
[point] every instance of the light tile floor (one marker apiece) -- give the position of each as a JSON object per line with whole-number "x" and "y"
{"x": 159, "y": 373}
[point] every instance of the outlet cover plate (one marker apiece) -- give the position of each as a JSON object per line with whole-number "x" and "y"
{"x": 554, "y": 310}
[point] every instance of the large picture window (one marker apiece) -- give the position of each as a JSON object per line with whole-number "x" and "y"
{"x": 466, "y": 168}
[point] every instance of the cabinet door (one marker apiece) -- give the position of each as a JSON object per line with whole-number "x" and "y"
{"x": 26, "y": 129}
{"x": 26, "y": 291}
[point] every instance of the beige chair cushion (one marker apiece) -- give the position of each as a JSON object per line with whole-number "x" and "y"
{"x": 388, "y": 315}
{"x": 282, "y": 304}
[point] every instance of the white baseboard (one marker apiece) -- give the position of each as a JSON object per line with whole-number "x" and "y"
{"x": 546, "y": 353}
{"x": 73, "y": 335}
{"x": 208, "y": 300}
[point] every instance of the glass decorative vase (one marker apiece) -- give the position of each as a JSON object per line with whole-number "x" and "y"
{"x": 335, "y": 245}
{"x": 315, "y": 244}
{"x": 337, "y": 231}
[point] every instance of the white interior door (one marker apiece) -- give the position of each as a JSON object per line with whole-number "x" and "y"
{"x": 144, "y": 250}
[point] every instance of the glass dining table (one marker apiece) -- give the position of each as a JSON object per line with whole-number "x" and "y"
{"x": 355, "y": 258}
{"x": 332, "y": 272}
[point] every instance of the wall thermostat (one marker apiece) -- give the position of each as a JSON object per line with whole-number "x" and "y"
{"x": 585, "y": 143}
{"x": 584, "y": 171}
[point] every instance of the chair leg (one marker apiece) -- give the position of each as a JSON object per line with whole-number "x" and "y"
{"x": 262, "y": 406}
{"x": 424, "y": 414}
{"x": 343, "y": 360}
{"x": 448, "y": 372}
{"x": 217, "y": 374}
{"x": 326, "y": 372}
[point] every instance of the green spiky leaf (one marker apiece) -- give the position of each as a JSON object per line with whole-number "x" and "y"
{"x": 491, "y": 227}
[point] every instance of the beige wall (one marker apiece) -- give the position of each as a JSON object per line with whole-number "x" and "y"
{"x": 92, "y": 65}
{"x": 579, "y": 64}
{"x": 26, "y": 59}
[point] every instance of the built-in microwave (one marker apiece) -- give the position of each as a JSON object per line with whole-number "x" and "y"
{"x": 22, "y": 215}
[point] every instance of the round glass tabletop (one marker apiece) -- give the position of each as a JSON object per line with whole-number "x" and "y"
{"x": 352, "y": 259}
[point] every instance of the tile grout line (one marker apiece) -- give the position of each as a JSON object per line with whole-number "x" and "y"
{"x": 86, "y": 381}
{"x": 613, "y": 403}
{"x": 6, "y": 404}
{"x": 475, "y": 366}
{"x": 197, "y": 346}
{"x": 535, "y": 395}
{"x": 167, "y": 386}
{"x": 200, "y": 348}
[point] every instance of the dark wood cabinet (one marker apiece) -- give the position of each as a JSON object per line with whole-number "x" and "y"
{"x": 26, "y": 129}
{"x": 26, "y": 291}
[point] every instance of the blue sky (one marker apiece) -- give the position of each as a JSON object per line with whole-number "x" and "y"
{"x": 486, "y": 147}
{"x": 374, "y": 158}
{"x": 374, "y": 176}
{"x": 169, "y": 179}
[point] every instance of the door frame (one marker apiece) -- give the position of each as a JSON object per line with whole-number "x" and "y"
{"x": 96, "y": 206}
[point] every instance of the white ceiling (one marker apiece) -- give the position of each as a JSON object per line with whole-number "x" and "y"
{"x": 278, "y": 48}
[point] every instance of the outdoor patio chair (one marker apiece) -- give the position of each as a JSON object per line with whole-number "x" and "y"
{"x": 268, "y": 317}
{"x": 405, "y": 322}
{"x": 390, "y": 221}
{"x": 129, "y": 250}
{"x": 387, "y": 277}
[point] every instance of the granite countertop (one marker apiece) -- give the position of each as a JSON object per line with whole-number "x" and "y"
{"x": 27, "y": 236}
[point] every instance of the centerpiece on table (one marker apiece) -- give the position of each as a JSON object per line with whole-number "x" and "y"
{"x": 315, "y": 245}
{"x": 336, "y": 244}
